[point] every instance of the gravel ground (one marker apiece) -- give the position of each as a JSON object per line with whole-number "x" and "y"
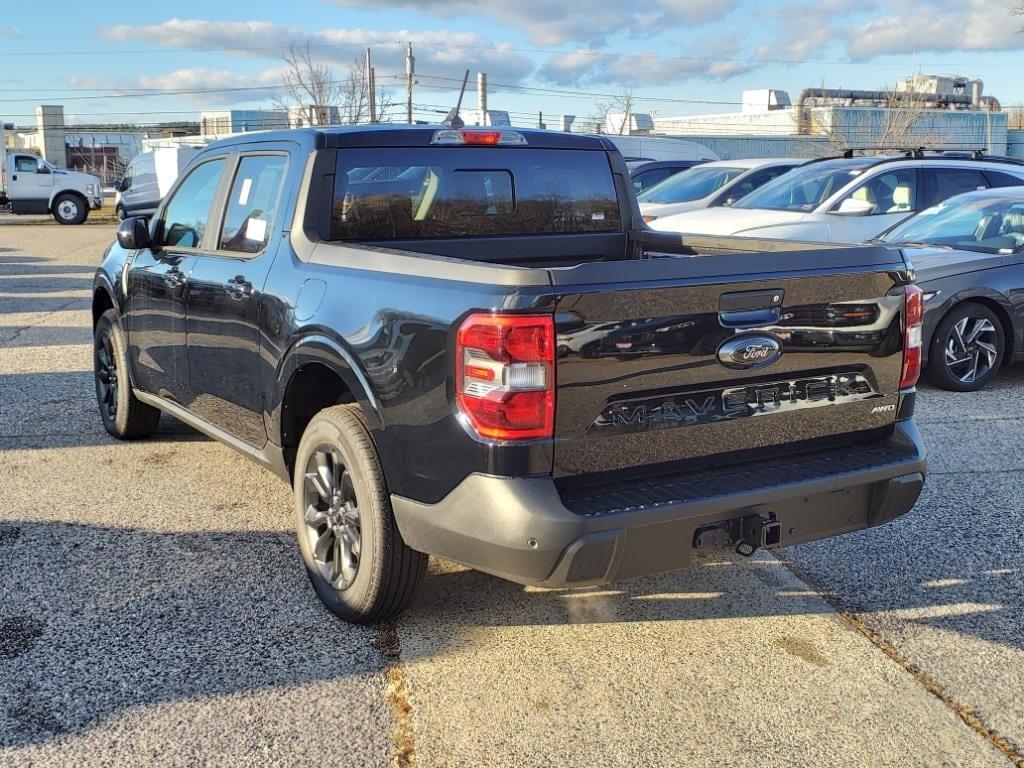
{"x": 154, "y": 610}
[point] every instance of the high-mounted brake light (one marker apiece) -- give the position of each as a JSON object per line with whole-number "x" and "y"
{"x": 505, "y": 377}
{"x": 913, "y": 319}
{"x": 482, "y": 138}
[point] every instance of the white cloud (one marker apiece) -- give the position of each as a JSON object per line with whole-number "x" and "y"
{"x": 946, "y": 25}
{"x": 199, "y": 85}
{"x": 439, "y": 53}
{"x": 554, "y": 22}
{"x": 588, "y": 67}
{"x": 12, "y": 32}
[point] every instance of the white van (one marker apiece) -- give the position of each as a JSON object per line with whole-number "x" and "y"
{"x": 636, "y": 149}
{"x": 148, "y": 178}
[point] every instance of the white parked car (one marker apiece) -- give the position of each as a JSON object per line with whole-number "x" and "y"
{"x": 710, "y": 185}
{"x": 846, "y": 199}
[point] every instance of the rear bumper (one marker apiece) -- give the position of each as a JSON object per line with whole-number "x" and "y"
{"x": 525, "y": 530}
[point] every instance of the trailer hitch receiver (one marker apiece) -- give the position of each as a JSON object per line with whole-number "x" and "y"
{"x": 756, "y": 532}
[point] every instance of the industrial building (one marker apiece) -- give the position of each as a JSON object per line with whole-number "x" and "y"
{"x": 924, "y": 110}
{"x": 228, "y": 121}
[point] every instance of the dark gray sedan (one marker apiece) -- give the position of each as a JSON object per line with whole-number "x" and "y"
{"x": 968, "y": 253}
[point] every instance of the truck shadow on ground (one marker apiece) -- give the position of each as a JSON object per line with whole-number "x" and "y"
{"x": 44, "y": 284}
{"x": 23, "y": 269}
{"x": 98, "y": 620}
{"x": 983, "y": 604}
{"x": 44, "y": 336}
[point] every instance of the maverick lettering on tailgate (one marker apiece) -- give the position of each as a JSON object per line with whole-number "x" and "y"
{"x": 735, "y": 402}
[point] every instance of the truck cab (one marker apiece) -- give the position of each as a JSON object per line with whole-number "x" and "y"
{"x": 31, "y": 185}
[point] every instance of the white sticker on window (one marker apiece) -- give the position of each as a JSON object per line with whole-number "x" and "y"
{"x": 256, "y": 230}
{"x": 597, "y": 216}
{"x": 243, "y": 197}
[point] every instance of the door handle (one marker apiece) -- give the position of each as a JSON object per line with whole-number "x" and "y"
{"x": 239, "y": 288}
{"x": 175, "y": 277}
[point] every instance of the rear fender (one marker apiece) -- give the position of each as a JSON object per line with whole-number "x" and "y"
{"x": 322, "y": 349}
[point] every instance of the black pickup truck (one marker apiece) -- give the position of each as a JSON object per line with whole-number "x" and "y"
{"x": 466, "y": 343}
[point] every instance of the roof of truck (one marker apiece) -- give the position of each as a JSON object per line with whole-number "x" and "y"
{"x": 402, "y": 135}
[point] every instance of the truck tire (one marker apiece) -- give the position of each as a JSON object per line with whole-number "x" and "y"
{"x": 124, "y": 415}
{"x": 122, "y": 214}
{"x": 967, "y": 348}
{"x": 355, "y": 556}
{"x": 69, "y": 208}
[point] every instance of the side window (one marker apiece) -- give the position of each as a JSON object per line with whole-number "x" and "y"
{"x": 647, "y": 179}
{"x": 188, "y": 211}
{"x": 1000, "y": 179}
{"x": 749, "y": 183}
{"x": 26, "y": 164}
{"x": 253, "y": 203}
{"x": 947, "y": 182}
{"x": 892, "y": 191}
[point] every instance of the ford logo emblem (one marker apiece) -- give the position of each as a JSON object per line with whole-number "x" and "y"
{"x": 750, "y": 351}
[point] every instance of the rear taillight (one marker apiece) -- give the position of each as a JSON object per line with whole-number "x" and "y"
{"x": 505, "y": 375}
{"x": 913, "y": 318}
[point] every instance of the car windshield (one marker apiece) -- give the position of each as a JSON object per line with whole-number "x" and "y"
{"x": 967, "y": 222}
{"x": 689, "y": 185}
{"x": 804, "y": 189}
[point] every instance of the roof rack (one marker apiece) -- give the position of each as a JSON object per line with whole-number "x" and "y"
{"x": 934, "y": 153}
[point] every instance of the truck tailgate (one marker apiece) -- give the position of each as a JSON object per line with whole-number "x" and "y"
{"x": 669, "y": 360}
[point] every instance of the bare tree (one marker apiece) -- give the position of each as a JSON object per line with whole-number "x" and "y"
{"x": 615, "y": 114}
{"x": 308, "y": 83}
{"x": 314, "y": 89}
{"x": 1015, "y": 119}
{"x": 901, "y": 122}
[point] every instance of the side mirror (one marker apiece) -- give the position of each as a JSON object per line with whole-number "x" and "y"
{"x": 42, "y": 169}
{"x": 133, "y": 234}
{"x": 852, "y": 206}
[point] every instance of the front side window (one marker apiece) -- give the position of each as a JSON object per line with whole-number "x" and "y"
{"x": 26, "y": 164}
{"x": 804, "y": 189}
{"x": 253, "y": 203}
{"x": 647, "y": 179}
{"x": 892, "y": 191}
{"x": 188, "y": 211}
{"x": 409, "y": 193}
{"x": 747, "y": 184}
{"x": 687, "y": 186}
{"x": 968, "y": 222}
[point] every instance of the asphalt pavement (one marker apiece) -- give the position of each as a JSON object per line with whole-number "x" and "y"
{"x": 154, "y": 610}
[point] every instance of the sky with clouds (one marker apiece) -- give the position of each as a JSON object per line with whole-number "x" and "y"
{"x": 679, "y": 56}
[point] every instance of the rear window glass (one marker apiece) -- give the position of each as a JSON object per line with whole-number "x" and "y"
{"x": 408, "y": 193}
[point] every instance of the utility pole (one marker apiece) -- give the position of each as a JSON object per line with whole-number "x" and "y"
{"x": 371, "y": 90}
{"x": 410, "y": 71}
{"x": 481, "y": 96}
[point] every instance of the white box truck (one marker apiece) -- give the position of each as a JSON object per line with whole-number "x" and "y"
{"x": 29, "y": 184}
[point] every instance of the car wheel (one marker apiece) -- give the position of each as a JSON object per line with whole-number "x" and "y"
{"x": 121, "y": 213}
{"x": 967, "y": 348}
{"x": 124, "y": 415}
{"x": 70, "y": 209}
{"x": 360, "y": 566}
